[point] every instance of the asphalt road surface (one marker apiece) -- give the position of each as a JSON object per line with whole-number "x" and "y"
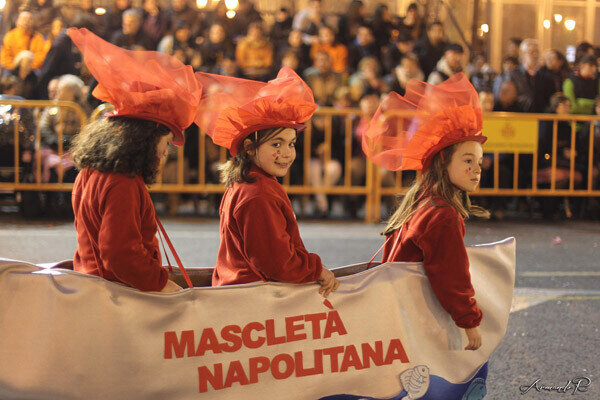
{"x": 553, "y": 334}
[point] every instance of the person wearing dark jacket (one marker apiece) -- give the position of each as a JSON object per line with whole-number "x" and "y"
{"x": 363, "y": 46}
{"x": 431, "y": 48}
{"x": 395, "y": 52}
{"x": 583, "y": 86}
{"x": 534, "y": 85}
{"x": 62, "y": 58}
{"x": 131, "y": 36}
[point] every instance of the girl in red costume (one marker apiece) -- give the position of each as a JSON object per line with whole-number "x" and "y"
{"x": 258, "y": 123}
{"x": 444, "y": 141}
{"x": 155, "y": 98}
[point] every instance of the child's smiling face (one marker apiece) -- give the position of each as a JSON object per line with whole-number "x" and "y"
{"x": 276, "y": 155}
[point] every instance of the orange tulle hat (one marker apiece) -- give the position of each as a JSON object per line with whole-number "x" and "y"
{"x": 233, "y": 108}
{"x": 141, "y": 84}
{"x": 446, "y": 114}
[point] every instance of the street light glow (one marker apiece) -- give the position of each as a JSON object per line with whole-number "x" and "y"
{"x": 2, "y": 4}
{"x": 201, "y": 3}
{"x": 557, "y": 18}
{"x": 570, "y": 24}
{"x": 230, "y": 14}
{"x": 485, "y": 28}
{"x": 547, "y": 23}
{"x": 100, "y": 11}
{"x": 231, "y": 4}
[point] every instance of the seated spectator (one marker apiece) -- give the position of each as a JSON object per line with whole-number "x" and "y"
{"x": 295, "y": 44}
{"x": 62, "y": 58}
{"x": 219, "y": 16}
{"x": 87, "y": 8}
{"x": 290, "y": 60}
{"x": 395, "y": 52}
{"x": 180, "y": 10}
{"x": 282, "y": 27}
{"x": 383, "y": 27}
{"x": 254, "y": 54}
{"x": 215, "y": 47}
{"x": 431, "y": 47}
{"x": 363, "y": 46}
{"x": 326, "y": 159}
{"x": 245, "y": 15}
{"x": 534, "y": 85}
{"x": 24, "y": 72}
{"x": 338, "y": 54}
{"x": 513, "y": 47}
{"x": 583, "y": 49}
{"x": 507, "y": 99}
{"x": 407, "y": 70}
{"x": 509, "y": 64}
{"x": 481, "y": 74}
{"x": 368, "y": 105}
{"x": 131, "y": 36}
{"x": 559, "y": 104}
{"x": 43, "y": 12}
{"x": 56, "y": 121}
{"x": 228, "y": 67}
{"x": 181, "y": 45}
{"x": 57, "y": 27}
{"x": 113, "y": 18}
{"x": 350, "y": 21}
{"x": 308, "y": 21}
{"x": 556, "y": 66}
{"x": 323, "y": 80}
{"x": 23, "y": 37}
{"x": 367, "y": 79}
{"x": 155, "y": 23}
{"x": 582, "y": 87}
{"x": 486, "y": 100}
{"x": 412, "y": 23}
{"x": 449, "y": 64}
{"x": 596, "y": 160}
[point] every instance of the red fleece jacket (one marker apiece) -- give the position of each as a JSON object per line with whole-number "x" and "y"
{"x": 435, "y": 236}
{"x": 260, "y": 238}
{"x": 116, "y": 230}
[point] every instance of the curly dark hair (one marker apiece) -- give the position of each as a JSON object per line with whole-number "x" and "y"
{"x": 121, "y": 145}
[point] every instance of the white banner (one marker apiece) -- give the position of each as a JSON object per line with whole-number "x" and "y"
{"x": 382, "y": 334}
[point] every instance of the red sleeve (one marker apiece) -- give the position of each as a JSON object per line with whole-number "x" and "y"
{"x": 447, "y": 266}
{"x": 269, "y": 247}
{"x": 120, "y": 240}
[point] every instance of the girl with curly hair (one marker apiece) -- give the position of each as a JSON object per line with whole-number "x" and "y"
{"x": 155, "y": 99}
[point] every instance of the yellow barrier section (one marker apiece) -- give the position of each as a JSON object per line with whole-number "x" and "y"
{"x": 512, "y": 143}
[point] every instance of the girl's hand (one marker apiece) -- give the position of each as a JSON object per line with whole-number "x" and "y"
{"x": 474, "y": 338}
{"x": 328, "y": 282}
{"x": 171, "y": 287}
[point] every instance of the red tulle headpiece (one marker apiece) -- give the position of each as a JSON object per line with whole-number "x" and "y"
{"x": 232, "y": 108}
{"x": 141, "y": 84}
{"x": 447, "y": 114}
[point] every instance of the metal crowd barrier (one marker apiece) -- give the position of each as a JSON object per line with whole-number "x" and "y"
{"x": 372, "y": 187}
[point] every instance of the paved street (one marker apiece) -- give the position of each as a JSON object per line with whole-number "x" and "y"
{"x": 553, "y": 331}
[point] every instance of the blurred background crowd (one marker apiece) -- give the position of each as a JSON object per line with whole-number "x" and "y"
{"x": 349, "y": 59}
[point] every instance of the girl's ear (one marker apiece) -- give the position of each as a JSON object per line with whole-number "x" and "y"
{"x": 248, "y": 147}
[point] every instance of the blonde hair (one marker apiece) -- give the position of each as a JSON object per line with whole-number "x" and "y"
{"x": 434, "y": 182}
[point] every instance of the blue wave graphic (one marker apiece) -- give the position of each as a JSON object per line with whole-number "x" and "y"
{"x": 439, "y": 389}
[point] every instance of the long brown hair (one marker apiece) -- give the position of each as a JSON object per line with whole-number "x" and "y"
{"x": 434, "y": 182}
{"x": 121, "y": 145}
{"x": 237, "y": 169}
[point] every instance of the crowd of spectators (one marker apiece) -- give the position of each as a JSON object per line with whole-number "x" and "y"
{"x": 349, "y": 60}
